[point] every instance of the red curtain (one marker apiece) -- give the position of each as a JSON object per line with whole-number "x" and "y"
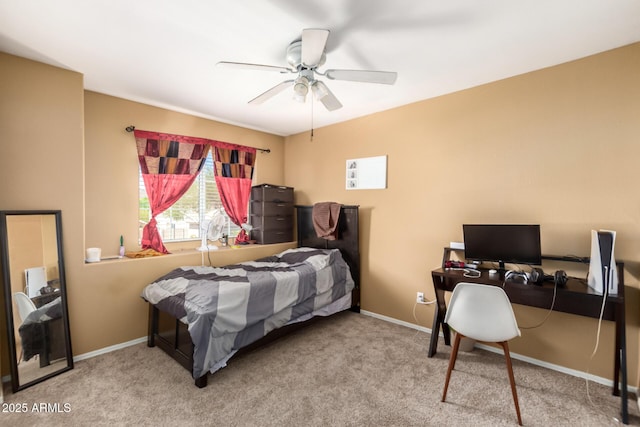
{"x": 233, "y": 168}
{"x": 169, "y": 165}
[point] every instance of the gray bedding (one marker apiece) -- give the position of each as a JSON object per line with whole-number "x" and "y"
{"x": 227, "y": 308}
{"x": 33, "y": 331}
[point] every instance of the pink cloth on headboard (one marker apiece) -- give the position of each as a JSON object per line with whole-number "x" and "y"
{"x": 325, "y": 219}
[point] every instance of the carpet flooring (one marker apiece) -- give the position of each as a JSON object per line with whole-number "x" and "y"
{"x": 346, "y": 370}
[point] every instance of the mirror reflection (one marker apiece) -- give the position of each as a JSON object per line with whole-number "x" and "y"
{"x": 33, "y": 272}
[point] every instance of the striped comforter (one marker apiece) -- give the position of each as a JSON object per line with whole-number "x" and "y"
{"x": 227, "y": 308}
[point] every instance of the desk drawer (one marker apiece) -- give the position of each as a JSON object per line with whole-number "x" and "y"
{"x": 41, "y": 300}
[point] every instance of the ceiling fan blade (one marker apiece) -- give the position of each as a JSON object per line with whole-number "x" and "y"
{"x": 271, "y": 92}
{"x": 324, "y": 95}
{"x": 314, "y": 42}
{"x": 259, "y": 67}
{"x": 383, "y": 77}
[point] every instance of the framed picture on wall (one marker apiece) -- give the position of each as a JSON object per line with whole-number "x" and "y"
{"x": 366, "y": 173}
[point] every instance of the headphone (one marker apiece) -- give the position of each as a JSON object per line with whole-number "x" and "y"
{"x": 537, "y": 276}
{"x": 560, "y": 278}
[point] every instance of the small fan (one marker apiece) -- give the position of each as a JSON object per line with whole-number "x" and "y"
{"x": 305, "y": 56}
{"x": 212, "y": 230}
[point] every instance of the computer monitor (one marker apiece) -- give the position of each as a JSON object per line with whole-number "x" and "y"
{"x": 503, "y": 243}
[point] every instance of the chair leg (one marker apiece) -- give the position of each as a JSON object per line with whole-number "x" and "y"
{"x": 452, "y": 364}
{"x": 507, "y": 356}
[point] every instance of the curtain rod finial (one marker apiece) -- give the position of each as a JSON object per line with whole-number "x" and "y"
{"x": 130, "y": 128}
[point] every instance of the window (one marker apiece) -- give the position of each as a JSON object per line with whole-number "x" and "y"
{"x": 182, "y": 220}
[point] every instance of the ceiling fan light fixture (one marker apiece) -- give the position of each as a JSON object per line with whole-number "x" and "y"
{"x": 319, "y": 90}
{"x": 304, "y": 56}
{"x": 301, "y": 86}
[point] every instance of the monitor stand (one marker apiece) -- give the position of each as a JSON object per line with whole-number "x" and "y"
{"x": 501, "y": 269}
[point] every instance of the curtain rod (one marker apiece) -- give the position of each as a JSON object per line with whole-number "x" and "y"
{"x": 132, "y": 128}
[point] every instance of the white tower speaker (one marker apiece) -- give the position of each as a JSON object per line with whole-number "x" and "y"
{"x": 603, "y": 274}
{"x": 36, "y": 279}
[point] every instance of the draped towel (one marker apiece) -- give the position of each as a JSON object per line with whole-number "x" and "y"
{"x": 325, "y": 217}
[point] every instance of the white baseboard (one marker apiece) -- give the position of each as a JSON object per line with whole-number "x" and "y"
{"x": 109, "y": 349}
{"x": 517, "y": 356}
{"x": 7, "y": 378}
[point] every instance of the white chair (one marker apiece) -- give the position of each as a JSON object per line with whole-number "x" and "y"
{"x": 482, "y": 313}
{"x": 25, "y": 306}
{"x": 24, "y": 303}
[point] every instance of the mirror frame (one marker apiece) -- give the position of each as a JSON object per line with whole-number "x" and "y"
{"x": 6, "y": 276}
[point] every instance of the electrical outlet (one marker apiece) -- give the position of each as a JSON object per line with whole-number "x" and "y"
{"x": 420, "y": 297}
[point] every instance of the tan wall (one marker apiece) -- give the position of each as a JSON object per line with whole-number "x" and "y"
{"x": 558, "y": 147}
{"x": 41, "y": 140}
{"x": 26, "y": 248}
{"x": 31, "y": 243}
{"x": 525, "y": 149}
{"x": 58, "y": 140}
{"x": 24, "y": 235}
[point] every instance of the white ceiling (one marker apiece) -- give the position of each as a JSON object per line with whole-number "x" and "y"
{"x": 163, "y": 52}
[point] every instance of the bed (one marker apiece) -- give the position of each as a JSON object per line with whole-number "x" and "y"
{"x": 199, "y": 315}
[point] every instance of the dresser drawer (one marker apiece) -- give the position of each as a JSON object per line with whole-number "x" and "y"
{"x": 272, "y": 193}
{"x": 260, "y": 222}
{"x": 271, "y": 236}
{"x": 271, "y": 208}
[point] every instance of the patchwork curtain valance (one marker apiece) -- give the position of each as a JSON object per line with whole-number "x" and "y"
{"x": 171, "y": 163}
{"x": 231, "y": 162}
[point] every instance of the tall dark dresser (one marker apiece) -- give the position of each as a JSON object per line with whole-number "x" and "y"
{"x": 271, "y": 214}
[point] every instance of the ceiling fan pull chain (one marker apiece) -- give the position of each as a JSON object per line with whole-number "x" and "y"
{"x": 311, "y": 138}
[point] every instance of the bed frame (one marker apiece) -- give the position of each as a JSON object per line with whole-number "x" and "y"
{"x": 172, "y": 336}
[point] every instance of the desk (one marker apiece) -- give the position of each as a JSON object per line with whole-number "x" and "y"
{"x": 41, "y": 300}
{"x": 575, "y": 298}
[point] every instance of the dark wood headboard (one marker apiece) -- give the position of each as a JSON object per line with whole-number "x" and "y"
{"x": 347, "y": 241}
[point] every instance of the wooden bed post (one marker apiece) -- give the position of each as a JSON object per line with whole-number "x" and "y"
{"x": 348, "y": 241}
{"x": 153, "y": 325}
{"x": 202, "y": 381}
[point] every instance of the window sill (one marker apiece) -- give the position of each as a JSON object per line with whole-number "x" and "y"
{"x": 190, "y": 252}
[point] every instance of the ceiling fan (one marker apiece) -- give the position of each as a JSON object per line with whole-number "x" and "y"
{"x": 305, "y": 56}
